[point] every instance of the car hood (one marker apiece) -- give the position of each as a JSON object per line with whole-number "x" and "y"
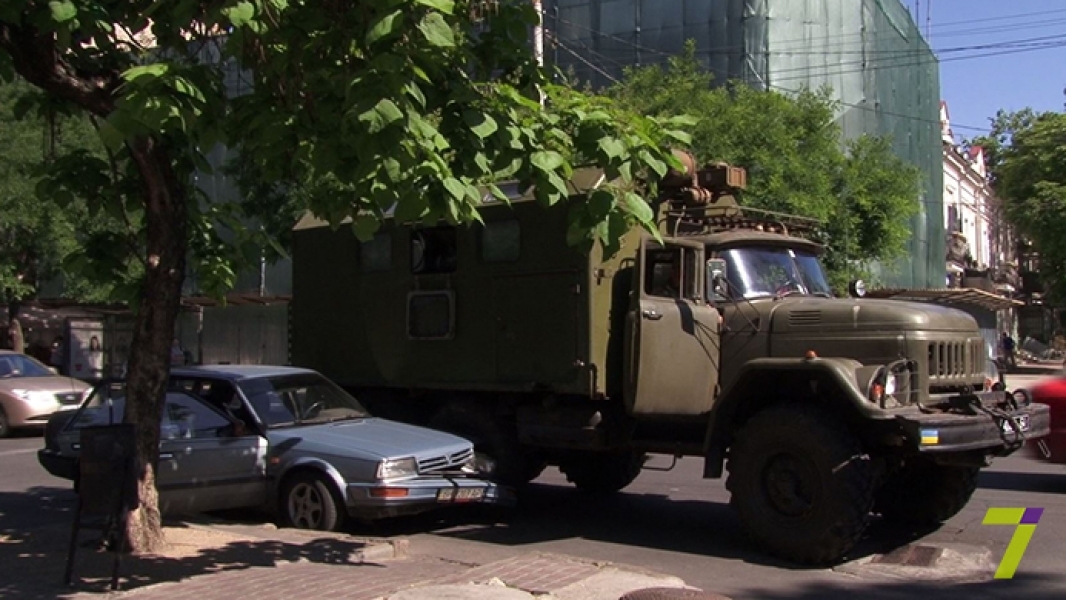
{"x": 371, "y": 438}
{"x": 801, "y": 314}
{"x": 56, "y": 384}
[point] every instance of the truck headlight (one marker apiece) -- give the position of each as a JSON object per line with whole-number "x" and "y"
{"x": 890, "y": 384}
{"x": 399, "y": 467}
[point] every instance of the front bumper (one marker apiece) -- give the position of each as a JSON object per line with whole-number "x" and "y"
{"x": 64, "y": 467}
{"x": 993, "y": 434}
{"x": 409, "y": 496}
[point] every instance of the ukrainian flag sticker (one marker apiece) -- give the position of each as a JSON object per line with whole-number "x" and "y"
{"x": 930, "y": 437}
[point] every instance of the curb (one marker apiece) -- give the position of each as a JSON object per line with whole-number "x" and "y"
{"x": 373, "y": 550}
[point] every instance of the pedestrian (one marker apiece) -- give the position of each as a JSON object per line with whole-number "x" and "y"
{"x": 177, "y": 354}
{"x": 58, "y": 360}
{"x": 96, "y": 358}
{"x": 1006, "y": 343}
{"x": 18, "y": 342}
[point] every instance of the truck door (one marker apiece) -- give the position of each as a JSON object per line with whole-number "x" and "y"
{"x": 672, "y": 333}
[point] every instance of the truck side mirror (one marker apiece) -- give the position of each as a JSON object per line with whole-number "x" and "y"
{"x": 716, "y": 278}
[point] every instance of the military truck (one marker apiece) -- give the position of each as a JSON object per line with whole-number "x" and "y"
{"x": 720, "y": 338}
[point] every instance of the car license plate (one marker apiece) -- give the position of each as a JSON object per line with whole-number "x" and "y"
{"x": 1023, "y": 424}
{"x": 460, "y": 495}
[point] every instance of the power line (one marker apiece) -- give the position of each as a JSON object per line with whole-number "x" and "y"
{"x": 916, "y": 63}
{"x": 858, "y": 35}
{"x": 852, "y": 105}
{"x": 596, "y": 68}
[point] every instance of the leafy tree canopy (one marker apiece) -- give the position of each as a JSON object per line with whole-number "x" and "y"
{"x": 371, "y": 106}
{"x": 790, "y": 146}
{"x": 46, "y": 238}
{"x": 1026, "y": 151}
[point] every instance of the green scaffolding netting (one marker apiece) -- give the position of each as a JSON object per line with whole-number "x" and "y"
{"x": 869, "y": 52}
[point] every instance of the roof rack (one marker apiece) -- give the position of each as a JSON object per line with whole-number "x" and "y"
{"x": 700, "y": 201}
{"x": 726, "y": 215}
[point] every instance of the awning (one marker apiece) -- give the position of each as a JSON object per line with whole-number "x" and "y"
{"x": 949, "y": 296}
{"x": 235, "y": 299}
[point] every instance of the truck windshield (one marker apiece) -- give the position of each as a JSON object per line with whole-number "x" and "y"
{"x": 755, "y": 272}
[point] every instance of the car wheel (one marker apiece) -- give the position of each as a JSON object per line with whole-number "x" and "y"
{"x": 800, "y": 484}
{"x": 5, "y": 427}
{"x": 308, "y": 501}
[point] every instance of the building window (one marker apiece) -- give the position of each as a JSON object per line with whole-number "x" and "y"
{"x": 431, "y": 315}
{"x": 376, "y": 254}
{"x": 433, "y": 250}
{"x": 501, "y": 241}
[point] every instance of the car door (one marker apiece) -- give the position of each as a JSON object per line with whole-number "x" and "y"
{"x": 203, "y": 464}
{"x": 673, "y": 344}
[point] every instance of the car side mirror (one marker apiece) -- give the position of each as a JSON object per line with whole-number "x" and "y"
{"x": 716, "y": 278}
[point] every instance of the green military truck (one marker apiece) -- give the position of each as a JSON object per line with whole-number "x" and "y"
{"x": 721, "y": 341}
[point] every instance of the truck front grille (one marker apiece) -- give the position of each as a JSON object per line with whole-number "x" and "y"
{"x": 958, "y": 361}
{"x": 445, "y": 462}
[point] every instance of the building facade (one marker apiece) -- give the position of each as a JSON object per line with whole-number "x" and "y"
{"x": 854, "y": 48}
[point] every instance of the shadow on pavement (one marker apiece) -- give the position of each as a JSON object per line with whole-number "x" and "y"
{"x": 33, "y": 556}
{"x": 1019, "y": 588}
{"x": 553, "y": 512}
{"x": 1048, "y": 483}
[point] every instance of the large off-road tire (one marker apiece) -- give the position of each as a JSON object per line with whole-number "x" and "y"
{"x": 5, "y": 426}
{"x": 922, "y": 492}
{"x": 512, "y": 464}
{"x": 602, "y": 472}
{"x": 801, "y": 484}
{"x": 309, "y": 501}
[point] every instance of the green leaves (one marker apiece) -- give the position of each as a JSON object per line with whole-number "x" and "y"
{"x": 444, "y": 6}
{"x": 387, "y": 26}
{"x": 63, "y": 10}
{"x": 384, "y": 113}
{"x": 240, "y": 14}
{"x": 481, "y": 124}
{"x": 437, "y": 31}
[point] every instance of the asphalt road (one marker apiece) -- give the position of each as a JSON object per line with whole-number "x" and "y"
{"x": 677, "y": 523}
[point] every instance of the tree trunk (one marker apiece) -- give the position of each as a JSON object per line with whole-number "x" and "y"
{"x": 35, "y": 57}
{"x": 149, "y": 366}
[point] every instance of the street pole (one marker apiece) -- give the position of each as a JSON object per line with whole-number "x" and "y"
{"x": 538, "y": 43}
{"x": 538, "y": 33}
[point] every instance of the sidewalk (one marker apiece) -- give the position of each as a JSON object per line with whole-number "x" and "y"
{"x": 202, "y": 562}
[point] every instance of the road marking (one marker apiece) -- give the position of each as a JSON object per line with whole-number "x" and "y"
{"x": 14, "y": 452}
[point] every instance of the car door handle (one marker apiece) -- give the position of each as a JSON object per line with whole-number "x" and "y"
{"x": 652, "y": 315}
{"x": 166, "y": 456}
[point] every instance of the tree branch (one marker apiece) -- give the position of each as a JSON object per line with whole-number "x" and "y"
{"x": 38, "y": 61}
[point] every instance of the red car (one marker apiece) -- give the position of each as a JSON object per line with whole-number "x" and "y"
{"x": 1052, "y": 391}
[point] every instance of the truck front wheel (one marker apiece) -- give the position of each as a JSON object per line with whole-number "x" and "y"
{"x": 922, "y": 492}
{"x": 602, "y": 472}
{"x": 801, "y": 484}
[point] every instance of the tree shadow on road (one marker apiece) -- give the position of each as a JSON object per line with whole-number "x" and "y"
{"x": 33, "y": 555}
{"x": 1019, "y": 588}
{"x": 558, "y": 512}
{"x": 1020, "y": 481}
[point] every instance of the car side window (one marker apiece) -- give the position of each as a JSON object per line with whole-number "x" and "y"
{"x": 187, "y": 417}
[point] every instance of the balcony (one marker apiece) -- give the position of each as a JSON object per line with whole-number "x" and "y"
{"x": 1006, "y": 274}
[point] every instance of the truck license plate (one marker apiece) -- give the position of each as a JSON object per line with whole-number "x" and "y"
{"x": 1023, "y": 424}
{"x": 460, "y": 495}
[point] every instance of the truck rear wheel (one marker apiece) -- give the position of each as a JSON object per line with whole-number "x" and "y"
{"x": 801, "y": 484}
{"x": 602, "y": 472}
{"x": 494, "y": 440}
{"x": 925, "y": 493}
